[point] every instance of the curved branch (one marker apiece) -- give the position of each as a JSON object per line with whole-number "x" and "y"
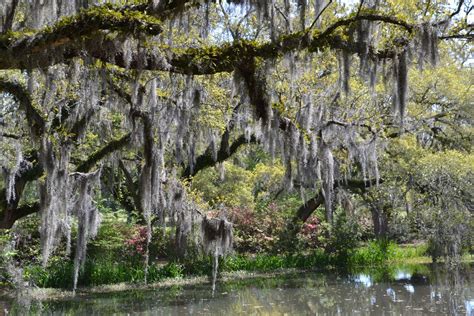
{"x": 9, "y": 218}
{"x": 112, "y": 146}
{"x": 456, "y": 12}
{"x": 65, "y": 38}
{"x": 18, "y": 91}
{"x": 206, "y": 160}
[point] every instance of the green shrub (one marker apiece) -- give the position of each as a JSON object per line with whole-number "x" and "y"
{"x": 343, "y": 238}
{"x": 374, "y": 253}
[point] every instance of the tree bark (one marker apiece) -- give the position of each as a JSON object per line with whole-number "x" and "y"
{"x": 380, "y": 221}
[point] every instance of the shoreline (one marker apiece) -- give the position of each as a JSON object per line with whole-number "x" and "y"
{"x": 51, "y": 294}
{"x": 46, "y": 294}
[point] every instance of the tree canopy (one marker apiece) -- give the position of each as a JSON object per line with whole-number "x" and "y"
{"x": 131, "y": 100}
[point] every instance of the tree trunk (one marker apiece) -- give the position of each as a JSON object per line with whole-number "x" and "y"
{"x": 380, "y": 220}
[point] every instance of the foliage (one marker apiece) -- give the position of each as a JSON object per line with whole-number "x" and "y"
{"x": 344, "y": 237}
{"x": 99, "y": 272}
{"x": 257, "y": 231}
{"x": 440, "y": 194}
{"x": 105, "y": 271}
{"x": 6, "y": 255}
{"x": 311, "y": 233}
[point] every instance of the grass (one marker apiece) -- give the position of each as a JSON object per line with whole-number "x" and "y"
{"x": 380, "y": 252}
{"x": 105, "y": 271}
{"x": 99, "y": 272}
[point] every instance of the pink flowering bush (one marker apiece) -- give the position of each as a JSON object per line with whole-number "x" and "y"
{"x": 136, "y": 245}
{"x": 311, "y": 232}
{"x": 256, "y": 231}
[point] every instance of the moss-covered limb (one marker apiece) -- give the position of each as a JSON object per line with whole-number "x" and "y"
{"x": 19, "y": 92}
{"x": 24, "y": 54}
{"x": 9, "y": 216}
{"x": 206, "y": 160}
{"x": 111, "y": 147}
{"x": 307, "y": 209}
{"x": 8, "y": 208}
{"x": 226, "y": 57}
{"x": 373, "y": 17}
{"x": 10, "y": 211}
{"x": 68, "y": 33}
{"x": 88, "y": 21}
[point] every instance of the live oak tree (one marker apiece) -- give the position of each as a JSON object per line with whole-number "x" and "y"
{"x": 138, "y": 96}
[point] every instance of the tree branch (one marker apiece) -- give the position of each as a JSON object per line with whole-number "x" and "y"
{"x": 305, "y": 210}
{"x": 51, "y": 48}
{"x": 456, "y": 12}
{"x": 18, "y": 91}
{"x": 206, "y": 160}
{"x": 112, "y": 146}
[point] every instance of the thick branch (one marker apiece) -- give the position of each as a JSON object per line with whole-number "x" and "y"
{"x": 206, "y": 160}
{"x": 65, "y": 37}
{"x": 45, "y": 50}
{"x": 111, "y": 147}
{"x": 35, "y": 120}
{"x": 305, "y": 210}
{"x": 10, "y": 216}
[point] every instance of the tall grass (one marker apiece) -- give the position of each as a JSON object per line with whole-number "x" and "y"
{"x": 103, "y": 271}
{"x": 99, "y": 272}
{"x": 380, "y": 252}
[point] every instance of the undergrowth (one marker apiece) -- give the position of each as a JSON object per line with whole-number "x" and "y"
{"x": 101, "y": 271}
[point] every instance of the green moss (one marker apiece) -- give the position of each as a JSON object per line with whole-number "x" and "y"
{"x": 87, "y": 22}
{"x": 109, "y": 17}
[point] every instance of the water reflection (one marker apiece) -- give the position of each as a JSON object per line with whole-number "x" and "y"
{"x": 364, "y": 279}
{"x": 402, "y": 275}
{"x": 469, "y": 307}
{"x": 409, "y": 290}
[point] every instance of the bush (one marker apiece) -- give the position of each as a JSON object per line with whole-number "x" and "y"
{"x": 374, "y": 253}
{"x": 310, "y": 233}
{"x": 380, "y": 251}
{"x": 343, "y": 238}
{"x": 256, "y": 231}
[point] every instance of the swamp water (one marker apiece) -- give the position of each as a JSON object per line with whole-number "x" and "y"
{"x": 397, "y": 290}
